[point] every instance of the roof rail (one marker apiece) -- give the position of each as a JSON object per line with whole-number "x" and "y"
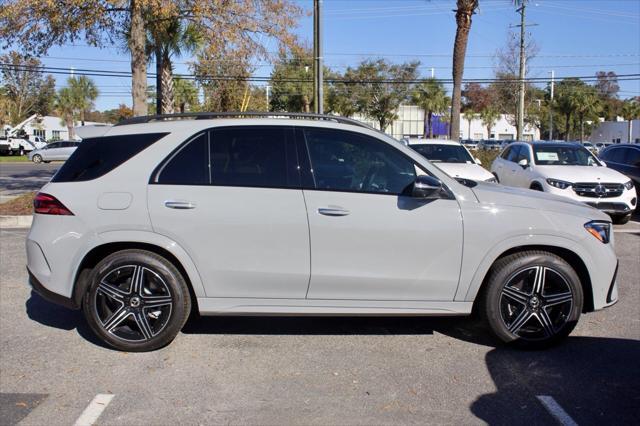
{"x": 249, "y": 114}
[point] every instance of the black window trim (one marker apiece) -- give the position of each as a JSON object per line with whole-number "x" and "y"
{"x": 290, "y": 147}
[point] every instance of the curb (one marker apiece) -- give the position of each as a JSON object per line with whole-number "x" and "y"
{"x": 16, "y": 221}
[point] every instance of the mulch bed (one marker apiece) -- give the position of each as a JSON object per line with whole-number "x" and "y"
{"x": 21, "y": 205}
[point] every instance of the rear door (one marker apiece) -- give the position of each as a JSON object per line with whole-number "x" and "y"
{"x": 369, "y": 239}
{"x": 231, "y": 198}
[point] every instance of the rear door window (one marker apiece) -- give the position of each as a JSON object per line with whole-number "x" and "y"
{"x": 189, "y": 165}
{"x": 254, "y": 156}
{"x": 96, "y": 157}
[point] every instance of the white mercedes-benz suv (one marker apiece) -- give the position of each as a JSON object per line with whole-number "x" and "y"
{"x": 568, "y": 170}
{"x": 254, "y": 214}
{"x": 453, "y": 158}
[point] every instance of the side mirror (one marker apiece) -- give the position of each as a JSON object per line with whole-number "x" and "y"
{"x": 524, "y": 163}
{"x": 426, "y": 187}
{"x": 478, "y": 162}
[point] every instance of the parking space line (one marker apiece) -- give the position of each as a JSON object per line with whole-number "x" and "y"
{"x": 94, "y": 409}
{"x": 556, "y": 410}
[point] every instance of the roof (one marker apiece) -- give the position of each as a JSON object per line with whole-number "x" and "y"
{"x": 552, "y": 144}
{"x": 417, "y": 141}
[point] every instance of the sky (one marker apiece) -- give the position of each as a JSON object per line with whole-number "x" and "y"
{"x": 574, "y": 37}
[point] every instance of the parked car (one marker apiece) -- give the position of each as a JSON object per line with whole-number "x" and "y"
{"x": 453, "y": 158}
{"x": 568, "y": 170}
{"x": 601, "y": 145}
{"x": 489, "y": 145}
{"x": 624, "y": 158}
{"x": 470, "y": 144}
{"x": 307, "y": 215}
{"x": 55, "y": 151}
{"x": 591, "y": 147}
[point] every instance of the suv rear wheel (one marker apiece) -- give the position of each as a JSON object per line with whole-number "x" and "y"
{"x": 533, "y": 299}
{"x": 621, "y": 219}
{"x": 137, "y": 301}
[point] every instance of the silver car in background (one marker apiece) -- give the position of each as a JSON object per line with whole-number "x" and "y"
{"x": 55, "y": 151}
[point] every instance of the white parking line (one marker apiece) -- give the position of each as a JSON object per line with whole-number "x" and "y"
{"x": 556, "y": 410}
{"x": 94, "y": 409}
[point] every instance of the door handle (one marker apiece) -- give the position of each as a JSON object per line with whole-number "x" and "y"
{"x": 180, "y": 205}
{"x": 328, "y": 211}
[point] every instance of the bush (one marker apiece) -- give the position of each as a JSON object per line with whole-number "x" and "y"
{"x": 486, "y": 157}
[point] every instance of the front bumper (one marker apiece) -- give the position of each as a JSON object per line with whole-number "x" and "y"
{"x": 621, "y": 205}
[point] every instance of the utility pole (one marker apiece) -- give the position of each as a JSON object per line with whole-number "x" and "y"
{"x": 267, "y": 88}
{"x": 318, "y": 92}
{"x": 551, "y": 109}
{"x": 520, "y": 129}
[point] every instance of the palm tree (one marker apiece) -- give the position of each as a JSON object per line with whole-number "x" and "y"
{"x": 566, "y": 101}
{"x": 469, "y": 115}
{"x": 84, "y": 92}
{"x": 431, "y": 96}
{"x": 65, "y": 106}
{"x": 185, "y": 93}
{"x": 168, "y": 39}
{"x": 630, "y": 112}
{"x": 586, "y": 104}
{"x": 489, "y": 116}
{"x": 464, "y": 11}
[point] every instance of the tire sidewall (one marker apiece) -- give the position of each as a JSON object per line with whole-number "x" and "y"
{"x": 37, "y": 159}
{"x": 175, "y": 282}
{"x": 517, "y": 264}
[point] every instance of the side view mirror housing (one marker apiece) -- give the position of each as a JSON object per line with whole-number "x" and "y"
{"x": 426, "y": 187}
{"x": 524, "y": 163}
{"x": 478, "y": 162}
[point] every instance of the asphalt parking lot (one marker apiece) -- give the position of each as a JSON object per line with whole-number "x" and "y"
{"x": 275, "y": 370}
{"x": 17, "y": 178}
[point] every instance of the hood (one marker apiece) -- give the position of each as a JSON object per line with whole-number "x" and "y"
{"x": 582, "y": 174}
{"x": 464, "y": 170}
{"x": 501, "y": 195}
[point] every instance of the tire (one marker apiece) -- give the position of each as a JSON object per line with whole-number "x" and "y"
{"x": 37, "y": 158}
{"x": 119, "y": 312}
{"x": 518, "y": 313}
{"x": 621, "y": 219}
{"x": 536, "y": 187}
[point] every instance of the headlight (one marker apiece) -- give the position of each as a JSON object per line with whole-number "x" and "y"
{"x": 492, "y": 180}
{"x": 561, "y": 184}
{"x": 600, "y": 230}
{"x": 629, "y": 184}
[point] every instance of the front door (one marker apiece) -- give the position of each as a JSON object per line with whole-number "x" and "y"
{"x": 369, "y": 239}
{"x": 231, "y": 198}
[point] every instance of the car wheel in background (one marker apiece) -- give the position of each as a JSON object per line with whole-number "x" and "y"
{"x": 137, "y": 301}
{"x": 536, "y": 187}
{"x": 621, "y": 219}
{"x": 533, "y": 299}
{"x": 37, "y": 158}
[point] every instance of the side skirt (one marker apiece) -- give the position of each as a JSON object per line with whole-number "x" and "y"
{"x": 247, "y": 306}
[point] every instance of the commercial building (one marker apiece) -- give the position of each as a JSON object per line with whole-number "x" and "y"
{"x": 617, "y": 132}
{"x": 411, "y": 124}
{"x": 49, "y": 127}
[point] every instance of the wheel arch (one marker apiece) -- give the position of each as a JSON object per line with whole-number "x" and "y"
{"x": 536, "y": 184}
{"x": 99, "y": 252}
{"x": 572, "y": 258}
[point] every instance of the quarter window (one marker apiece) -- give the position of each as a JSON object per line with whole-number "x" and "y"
{"x": 346, "y": 161}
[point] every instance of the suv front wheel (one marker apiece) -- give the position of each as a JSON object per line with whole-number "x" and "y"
{"x": 137, "y": 301}
{"x": 533, "y": 299}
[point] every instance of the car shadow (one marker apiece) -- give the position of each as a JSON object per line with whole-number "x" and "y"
{"x": 52, "y": 315}
{"x": 595, "y": 380}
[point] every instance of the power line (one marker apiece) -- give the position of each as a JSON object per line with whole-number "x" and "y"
{"x": 126, "y": 74}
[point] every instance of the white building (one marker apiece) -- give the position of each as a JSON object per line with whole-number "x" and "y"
{"x": 48, "y": 127}
{"x": 410, "y": 123}
{"x": 616, "y": 132}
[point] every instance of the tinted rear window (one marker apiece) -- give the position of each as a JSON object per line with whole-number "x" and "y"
{"x": 96, "y": 157}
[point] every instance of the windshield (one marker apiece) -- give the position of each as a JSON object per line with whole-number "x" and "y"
{"x": 444, "y": 153}
{"x": 563, "y": 156}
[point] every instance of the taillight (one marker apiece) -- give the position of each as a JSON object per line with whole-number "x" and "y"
{"x": 48, "y": 204}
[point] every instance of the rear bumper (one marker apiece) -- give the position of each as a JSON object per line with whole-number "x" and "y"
{"x": 49, "y": 295}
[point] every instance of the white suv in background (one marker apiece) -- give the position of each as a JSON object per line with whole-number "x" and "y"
{"x": 302, "y": 215}
{"x": 453, "y": 158}
{"x": 568, "y": 170}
